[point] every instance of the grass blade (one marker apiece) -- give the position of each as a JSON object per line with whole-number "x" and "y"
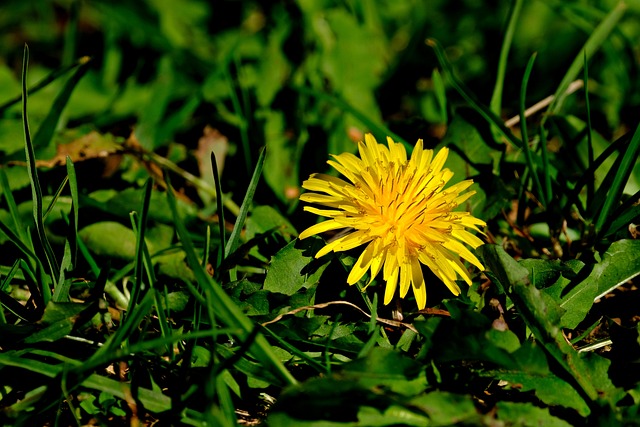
{"x": 496, "y": 98}
{"x": 36, "y": 191}
{"x": 441, "y": 94}
{"x": 140, "y": 232}
{"x": 55, "y": 197}
{"x": 616, "y": 146}
{"x": 61, "y": 291}
{"x": 629, "y": 158}
{"x": 47, "y": 129}
{"x": 624, "y": 215}
{"x": 220, "y": 207}
{"x": 53, "y": 76}
{"x": 590, "y": 157}
{"x": 525, "y": 139}
{"x": 234, "y": 239}
{"x": 546, "y": 167}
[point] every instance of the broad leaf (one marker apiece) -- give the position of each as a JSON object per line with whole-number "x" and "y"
{"x": 295, "y": 267}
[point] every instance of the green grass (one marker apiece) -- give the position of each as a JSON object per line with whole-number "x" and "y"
{"x": 151, "y": 159}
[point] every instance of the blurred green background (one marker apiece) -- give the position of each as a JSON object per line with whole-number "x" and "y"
{"x": 296, "y": 76}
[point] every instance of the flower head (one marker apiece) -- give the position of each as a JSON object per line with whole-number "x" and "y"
{"x": 399, "y": 208}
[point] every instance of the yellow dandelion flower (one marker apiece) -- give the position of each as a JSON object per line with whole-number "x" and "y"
{"x": 399, "y": 208}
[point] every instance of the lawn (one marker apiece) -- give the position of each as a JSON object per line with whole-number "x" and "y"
{"x": 318, "y": 213}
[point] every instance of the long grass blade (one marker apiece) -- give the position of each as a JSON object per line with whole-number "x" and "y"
{"x": 525, "y": 140}
{"x": 616, "y": 146}
{"x": 47, "y": 128}
{"x": 165, "y": 328}
{"x": 496, "y": 98}
{"x": 220, "y": 208}
{"x": 55, "y": 197}
{"x": 61, "y": 291}
{"x": 234, "y": 239}
{"x": 139, "y": 259}
{"x": 53, "y": 76}
{"x": 36, "y": 191}
{"x": 624, "y": 215}
{"x": 629, "y": 159}
{"x": 546, "y": 166}
{"x": 441, "y": 94}
{"x": 590, "y": 156}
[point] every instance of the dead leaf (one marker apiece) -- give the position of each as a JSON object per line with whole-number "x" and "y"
{"x": 90, "y": 146}
{"x": 212, "y": 141}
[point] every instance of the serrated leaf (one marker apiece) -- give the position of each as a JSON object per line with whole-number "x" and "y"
{"x": 548, "y": 388}
{"x": 542, "y": 315}
{"x": 59, "y": 320}
{"x": 294, "y": 267}
{"x": 544, "y": 273}
{"x": 266, "y": 218}
{"x": 620, "y": 263}
{"x": 388, "y": 368}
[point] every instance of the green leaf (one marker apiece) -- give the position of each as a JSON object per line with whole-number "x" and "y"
{"x": 542, "y": 315}
{"x": 470, "y": 337}
{"x": 109, "y": 238}
{"x": 264, "y": 219}
{"x": 534, "y": 373}
{"x": 392, "y": 416}
{"x": 469, "y": 148}
{"x": 471, "y": 156}
{"x": 446, "y": 409}
{"x": 294, "y": 267}
{"x": 620, "y": 263}
{"x": 548, "y": 388}
{"x": 545, "y": 273}
{"x": 527, "y": 415}
{"x": 388, "y": 368}
{"x": 59, "y": 320}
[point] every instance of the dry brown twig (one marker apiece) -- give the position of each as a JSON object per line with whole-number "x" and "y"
{"x": 389, "y": 322}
